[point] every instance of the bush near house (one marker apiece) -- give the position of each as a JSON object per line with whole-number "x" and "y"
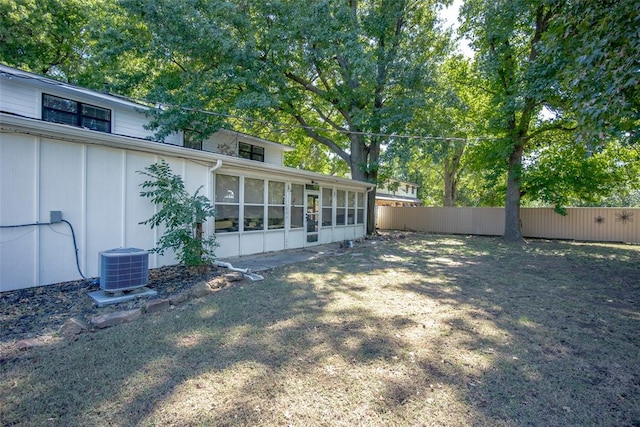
{"x": 182, "y": 214}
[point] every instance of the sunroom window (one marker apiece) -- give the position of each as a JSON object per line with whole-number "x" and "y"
{"x": 253, "y": 204}
{"x": 227, "y": 203}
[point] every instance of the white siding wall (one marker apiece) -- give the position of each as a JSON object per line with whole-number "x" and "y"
{"x": 130, "y": 122}
{"x": 18, "y": 98}
{"x": 97, "y": 190}
{"x": 227, "y": 143}
{"x": 273, "y": 156}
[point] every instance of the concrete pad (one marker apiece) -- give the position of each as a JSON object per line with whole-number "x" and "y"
{"x": 103, "y": 298}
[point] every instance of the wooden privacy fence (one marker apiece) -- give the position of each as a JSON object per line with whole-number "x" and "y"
{"x": 588, "y": 224}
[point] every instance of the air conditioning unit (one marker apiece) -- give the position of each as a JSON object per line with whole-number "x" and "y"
{"x": 123, "y": 269}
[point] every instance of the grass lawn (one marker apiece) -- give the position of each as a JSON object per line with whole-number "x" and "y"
{"x": 427, "y": 330}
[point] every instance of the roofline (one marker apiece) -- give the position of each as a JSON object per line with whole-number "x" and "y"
{"x": 11, "y": 123}
{"x": 402, "y": 182}
{"x": 256, "y": 139}
{"x": 121, "y": 100}
{"x": 41, "y": 81}
{"x": 397, "y": 198}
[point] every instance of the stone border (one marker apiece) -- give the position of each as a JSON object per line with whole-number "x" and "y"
{"x": 73, "y": 326}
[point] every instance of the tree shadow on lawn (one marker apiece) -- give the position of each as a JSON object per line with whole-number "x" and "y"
{"x": 133, "y": 374}
{"x": 569, "y": 313}
{"x": 433, "y": 328}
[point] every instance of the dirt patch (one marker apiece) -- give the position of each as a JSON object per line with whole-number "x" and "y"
{"x": 34, "y": 312}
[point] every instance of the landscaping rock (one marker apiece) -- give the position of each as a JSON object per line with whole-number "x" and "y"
{"x": 26, "y": 344}
{"x": 234, "y": 276}
{"x": 179, "y": 298}
{"x": 199, "y": 290}
{"x": 73, "y": 327}
{"x": 217, "y": 283}
{"x": 157, "y": 305}
{"x": 117, "y": 318}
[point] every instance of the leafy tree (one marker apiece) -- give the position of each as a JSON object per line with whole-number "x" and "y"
{"x": 561, "y": 172}
{"x": 91, "y": 43}
{"x": 452, "y": 113}
{"x": 44, "y": 36}
{"x": 596, "y": 46}
{"x": 345, "y": 72}
{"x": 517, "y": 47}
{"x": 183, "y": 216}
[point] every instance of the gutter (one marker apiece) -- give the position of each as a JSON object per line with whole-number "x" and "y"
{"x": 36, "y": 127}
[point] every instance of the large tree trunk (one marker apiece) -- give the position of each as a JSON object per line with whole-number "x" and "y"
{"x": 512, "y": 231}
{"x": 360, "y": 162}
{"x": 451, "y": 170}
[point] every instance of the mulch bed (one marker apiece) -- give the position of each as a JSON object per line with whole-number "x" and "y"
{"x": 32, "y": 312}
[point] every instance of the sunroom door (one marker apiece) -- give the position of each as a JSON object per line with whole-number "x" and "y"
{"x": 312, "y": 217}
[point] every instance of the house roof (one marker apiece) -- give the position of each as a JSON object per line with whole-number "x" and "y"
{"x": 45, "y": 82}
{"x": 397, "y": 198}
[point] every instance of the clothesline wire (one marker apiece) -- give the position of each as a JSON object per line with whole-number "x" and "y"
{"x": 277, "y": 126}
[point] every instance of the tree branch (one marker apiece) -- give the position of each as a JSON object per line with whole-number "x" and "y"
{"x": 307, "y": 85}
{"x": 322, "y": 139}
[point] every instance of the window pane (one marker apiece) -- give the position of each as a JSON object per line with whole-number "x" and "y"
{"x": 95, "y": 124}
{"x": 360, "y": 200}
{"x": 341, "y": 216}
{"x": 96, "y": 112}
{"x": 296, "y": 217}
{"x": 340, "y": 198}
{"x": 227, "y": 188}
{"x": 326, "y": 217}
{"x": 253, "y": 218}
{"x": 276, "y": 217}
{"x": 257, "y": 153}
{"x": 244, "y": 150}
{"x": 351, "y": 216}
{"x": 253, "y": 191}
{"x": 276, "y": 193}
{"x": 360, "y": 216}
{"x": 61, "y": 104}
{"x": 351, "y": 196}
{"x": 297, "y": 192}
{"x": 226, "y": 218}
{"x": 327, "y": 197}
{"x": 62, "y": 117}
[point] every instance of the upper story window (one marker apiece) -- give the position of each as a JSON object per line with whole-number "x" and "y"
{"x": 248, "y": 151}
{"x": 74, "y": 113}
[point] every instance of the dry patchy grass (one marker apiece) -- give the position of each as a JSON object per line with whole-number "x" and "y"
{"x": 429, "y": 330}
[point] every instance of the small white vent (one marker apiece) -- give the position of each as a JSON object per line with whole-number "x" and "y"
{"x": 123, "y": 269}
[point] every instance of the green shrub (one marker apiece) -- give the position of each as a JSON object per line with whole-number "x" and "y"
{"x": 182, "y": 215}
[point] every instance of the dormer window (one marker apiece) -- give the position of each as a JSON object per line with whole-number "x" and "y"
{"x": 74, "y": 113}
{"x": 252, "y": 152}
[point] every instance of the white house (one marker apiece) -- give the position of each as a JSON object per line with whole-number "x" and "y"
{"x": 72, "y": 154}
{"x": 397, "y": 193}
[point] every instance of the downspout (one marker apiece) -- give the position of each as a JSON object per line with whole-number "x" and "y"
{"x": 216, "y": 167}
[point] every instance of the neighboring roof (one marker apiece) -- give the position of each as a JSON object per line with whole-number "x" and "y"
{"x": 397, "y": 198}
{"x": 401, "y": 182}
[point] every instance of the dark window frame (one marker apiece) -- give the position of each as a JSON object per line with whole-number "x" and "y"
{"x": 250, "y": 151}
{"x": 76, "y": 118}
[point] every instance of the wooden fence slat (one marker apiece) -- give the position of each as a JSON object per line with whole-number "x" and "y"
{"x": 588, "y": 224}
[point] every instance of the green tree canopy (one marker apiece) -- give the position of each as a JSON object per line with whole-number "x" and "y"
{"x": 347, "y": 73}
{"x": 524, "y": 59}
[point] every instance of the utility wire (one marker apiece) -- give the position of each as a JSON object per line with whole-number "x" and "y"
{"x": 73, "y": 236}
{"x": 277, "y": 125}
